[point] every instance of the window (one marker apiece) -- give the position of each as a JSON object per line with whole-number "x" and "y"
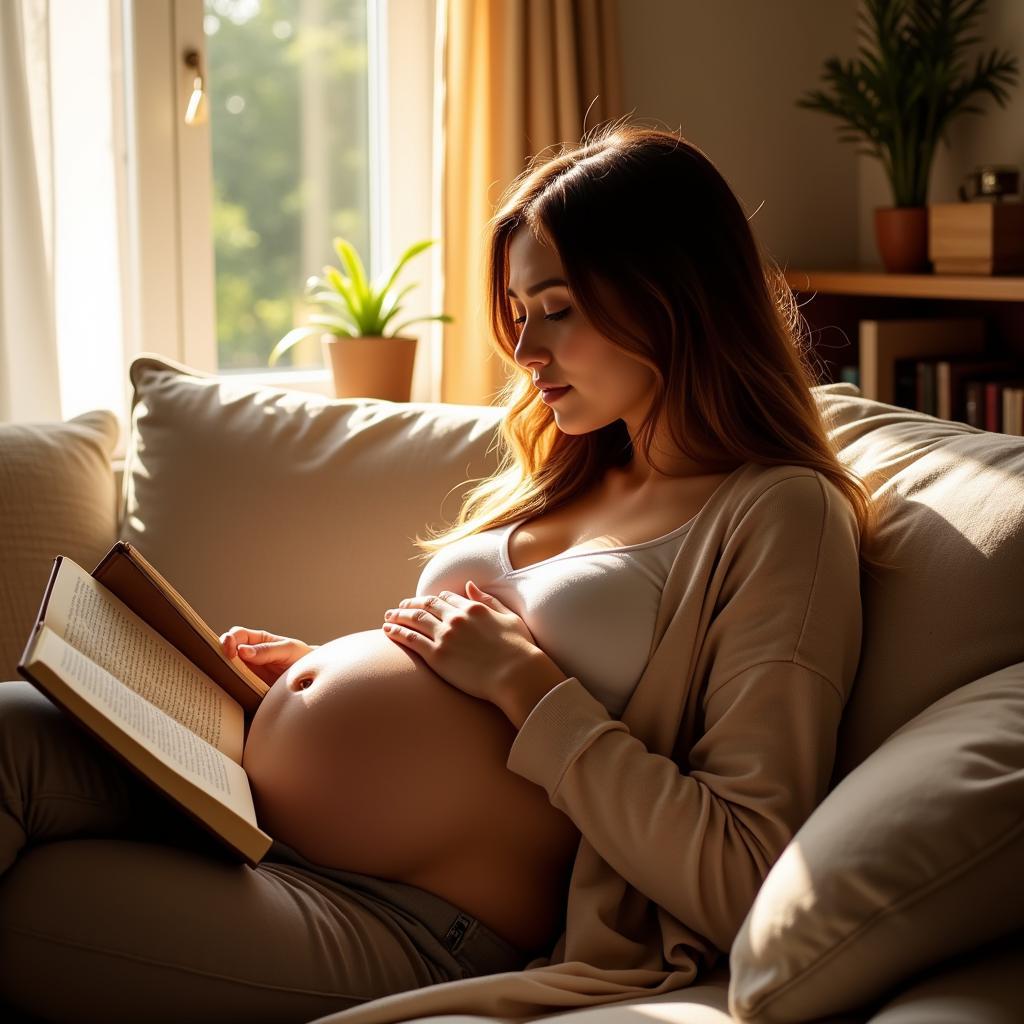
{"x": 229, "y": 217}
{"x": 288, "y": 112}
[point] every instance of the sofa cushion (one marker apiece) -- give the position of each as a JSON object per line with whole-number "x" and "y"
{"x": 983, "y": 986}
{"x": 913, "y": 858}
{"x": 953, "y": 517}
{"x": 286, "y": 510}
{"x": 56, "y": 498}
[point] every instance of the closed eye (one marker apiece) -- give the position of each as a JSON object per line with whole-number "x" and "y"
{"x": 560, "y": 314}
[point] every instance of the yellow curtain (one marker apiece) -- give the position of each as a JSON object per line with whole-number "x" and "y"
{"x": 519, "y": 76}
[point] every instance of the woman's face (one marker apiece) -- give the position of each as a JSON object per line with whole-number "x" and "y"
{"x": 557, "y": 345}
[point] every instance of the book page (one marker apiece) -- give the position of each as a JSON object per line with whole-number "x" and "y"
{"x": 107, "y": 632}
{"x": 183, "y": 751}
{"x": 150, "y": 571}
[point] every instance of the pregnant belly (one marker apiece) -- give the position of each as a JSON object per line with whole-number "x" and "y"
{"x": 361, "y": 758}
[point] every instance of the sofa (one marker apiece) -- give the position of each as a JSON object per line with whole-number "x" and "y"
{"x": 899, "y": 900}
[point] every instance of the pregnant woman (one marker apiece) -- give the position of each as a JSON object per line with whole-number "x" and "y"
{"x": 585, "y": 738}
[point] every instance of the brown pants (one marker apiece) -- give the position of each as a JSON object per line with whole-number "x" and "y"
{"x": 116, "y": 906}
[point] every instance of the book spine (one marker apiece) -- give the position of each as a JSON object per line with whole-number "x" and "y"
{"x": 992, "y": 401}
{"x": 943, "y": 395}
{"x": 850, "y": 375}
{"x": 905, "y": 384}
{"x": 973, "y": 403}
{"x": 1013, "y": 409}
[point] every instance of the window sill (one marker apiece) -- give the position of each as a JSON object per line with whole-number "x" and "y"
{"x": 315, "y": 380}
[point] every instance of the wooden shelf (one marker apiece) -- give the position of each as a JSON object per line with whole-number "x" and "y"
{"x": 1002, "y": 288}
{"x": 866, "y": 318}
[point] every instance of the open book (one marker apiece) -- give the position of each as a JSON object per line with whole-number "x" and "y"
{"x": 122, "y": 652}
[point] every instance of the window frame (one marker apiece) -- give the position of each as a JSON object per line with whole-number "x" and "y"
{"x": 171, "y": 272}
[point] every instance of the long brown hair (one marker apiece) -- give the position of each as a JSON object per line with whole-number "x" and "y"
{"x": 644, "y": 216}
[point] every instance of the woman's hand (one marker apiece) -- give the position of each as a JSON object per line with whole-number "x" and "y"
{"x": 267, "y": 654}
{"x": 476, "y": 644}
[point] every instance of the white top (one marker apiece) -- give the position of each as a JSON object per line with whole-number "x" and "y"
{"x": 592, "y": 612}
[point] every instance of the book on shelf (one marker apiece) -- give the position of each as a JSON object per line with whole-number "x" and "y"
{"x": 883, "y": 343}
{"x": 940, "y": 366}
{"x": 122, "y": 652}
{"x": 951, "y": 376}
{"x": 943, "y": 388}
{"x": 1012, "y": 399}
{"x": 996, "y": 404}
{"x": 849, "y": 375}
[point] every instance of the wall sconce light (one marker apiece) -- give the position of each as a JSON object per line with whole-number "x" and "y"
{"x": 197, "y": 111}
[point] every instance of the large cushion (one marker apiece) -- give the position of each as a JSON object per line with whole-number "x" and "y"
{"x": 285, "y": 510}
{"x": 982, "y": 987}
{"x": 912, "y": 859}
{"x": 952, "y": 503}
{"x": 57, "y": 497}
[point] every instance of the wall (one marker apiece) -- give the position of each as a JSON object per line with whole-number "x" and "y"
{"x": 728, "y": 74}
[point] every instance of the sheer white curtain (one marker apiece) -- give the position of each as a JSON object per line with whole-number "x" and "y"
{"x": 29, "y": 384}
{"x": 62, "y": 209}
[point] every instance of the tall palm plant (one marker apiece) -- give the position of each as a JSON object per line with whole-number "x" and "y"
{"x": 910, "y": 83}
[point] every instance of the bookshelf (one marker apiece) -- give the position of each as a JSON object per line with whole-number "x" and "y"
{"x": 834, "y": 301}
{"x": 908, "y": 286}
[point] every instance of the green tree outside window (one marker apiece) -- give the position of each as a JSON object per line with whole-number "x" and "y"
{"x": 287, "y": 83}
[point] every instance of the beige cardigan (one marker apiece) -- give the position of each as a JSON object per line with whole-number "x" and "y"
{"x": 722, "y": 752}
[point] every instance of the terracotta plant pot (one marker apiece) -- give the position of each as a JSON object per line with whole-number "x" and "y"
{"x": 370, "y": 367}
{"x": 902, "y": 236}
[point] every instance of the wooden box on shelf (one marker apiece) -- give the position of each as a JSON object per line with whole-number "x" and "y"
{"x": 976, "y": 237}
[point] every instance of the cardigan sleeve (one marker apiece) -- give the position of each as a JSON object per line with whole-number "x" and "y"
{"x": 698, "y": 838}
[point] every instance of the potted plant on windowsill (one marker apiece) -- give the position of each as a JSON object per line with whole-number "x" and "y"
{"x": 901, "y": 97}
{"x": 367, "y": 360}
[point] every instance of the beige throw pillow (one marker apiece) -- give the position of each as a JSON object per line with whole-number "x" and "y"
{"x": 56, "y": 498}
{"x": 913, "y": 858}
{"x": 285, "y": 510}
{"x": 954, "y": 519}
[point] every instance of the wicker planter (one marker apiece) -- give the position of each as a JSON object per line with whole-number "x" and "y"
{"x": 370, "y": 367}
